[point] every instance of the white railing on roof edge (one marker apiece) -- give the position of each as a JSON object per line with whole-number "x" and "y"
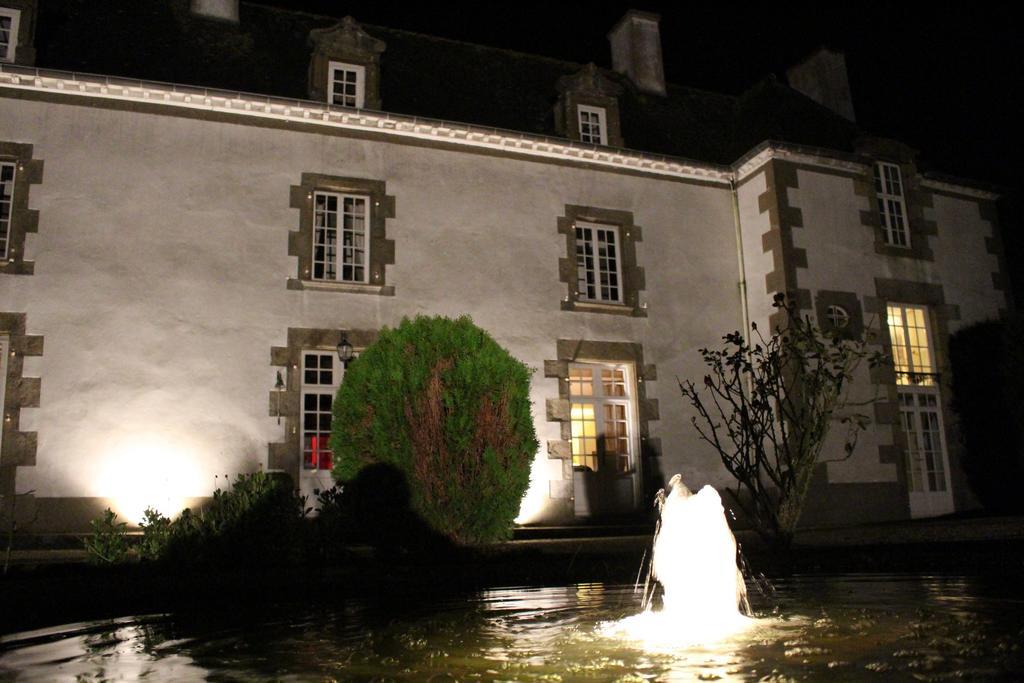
{"x": 465, "y": 134}
{"x": 116, "y": 87}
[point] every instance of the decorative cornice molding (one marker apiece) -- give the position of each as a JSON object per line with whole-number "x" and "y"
{"x": 321, "y": 114}
{"x": 948, "y": 187}
{"x": 411, "y": 128}
{"x": 751, "y": 162}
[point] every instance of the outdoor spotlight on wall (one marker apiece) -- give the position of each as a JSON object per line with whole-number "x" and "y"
{"x": 279, "y": 387}
{"x": 344, "y": 351}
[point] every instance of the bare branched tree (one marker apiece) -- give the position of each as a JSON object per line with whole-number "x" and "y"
{"x": 766, "y": 407}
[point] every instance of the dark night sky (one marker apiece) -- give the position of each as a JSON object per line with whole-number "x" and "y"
{"x": 946, "y": 80}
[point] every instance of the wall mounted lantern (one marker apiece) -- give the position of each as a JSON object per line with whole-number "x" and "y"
{"x": 344, "y": 351}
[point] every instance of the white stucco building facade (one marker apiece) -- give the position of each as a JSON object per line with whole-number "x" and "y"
{"x": 170, "y": 250}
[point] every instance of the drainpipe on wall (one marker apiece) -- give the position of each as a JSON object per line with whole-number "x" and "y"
{"x": 744, "y": 311}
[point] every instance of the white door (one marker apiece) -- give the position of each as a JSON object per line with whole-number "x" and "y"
{"x": 926, "y": 463}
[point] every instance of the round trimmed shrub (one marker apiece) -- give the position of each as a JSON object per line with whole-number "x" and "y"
{"x": 447, "y": 406}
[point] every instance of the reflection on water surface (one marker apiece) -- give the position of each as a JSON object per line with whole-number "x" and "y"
{"x": 841, "y": 627}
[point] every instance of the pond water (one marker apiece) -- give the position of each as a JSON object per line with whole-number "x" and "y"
{"x": 839, "y": 627}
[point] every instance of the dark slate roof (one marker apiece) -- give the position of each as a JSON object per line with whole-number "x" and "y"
{"x": 268, "y": 52}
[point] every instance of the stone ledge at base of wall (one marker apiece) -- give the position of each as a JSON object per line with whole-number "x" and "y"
{"x": 841, "y": 504}
{"x": 70, "y": 516}
{"x": 934, "y": 530}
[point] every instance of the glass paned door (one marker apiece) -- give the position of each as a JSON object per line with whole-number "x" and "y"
{"x": 920, "y": 401}
{"x": 321, "y": 375}
{"x": 925, "y": 453}
{"x": 604, "y": 438}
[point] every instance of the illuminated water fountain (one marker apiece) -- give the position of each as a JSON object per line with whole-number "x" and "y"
{"x": 694, "y": 559}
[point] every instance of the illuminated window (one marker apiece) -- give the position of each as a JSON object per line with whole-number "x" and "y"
{"x": 7, "y": 171}
{"x": 346, "y": 84}
{"x": 602, "y": 417}
{"x": 891, "y": 209}
{"x": 592, "y": 125}
{"x": 340, "y": 244}
{"x": 320, "y": 379}
{"x": 9, "y": 19}
{"x": 920, "y": 408}
{"x": 598, "y": 277}
{"x": 912, "y": 354}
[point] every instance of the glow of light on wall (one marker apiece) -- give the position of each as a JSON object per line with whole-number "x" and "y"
{"x": 536, "y": 499}
{"x": 140, "y": 471}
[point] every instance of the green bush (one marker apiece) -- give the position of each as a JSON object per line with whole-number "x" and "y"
{"x": 258, "y": 519}
{"x": 442, "y": 402}
{"x": 987, "y": 359}
{"x": 108, "y": 543}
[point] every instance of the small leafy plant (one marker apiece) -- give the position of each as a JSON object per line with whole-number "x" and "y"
{"x": 108, "y": 543}
{"x": 156, "y": 533}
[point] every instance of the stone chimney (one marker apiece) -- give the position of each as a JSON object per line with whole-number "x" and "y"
{"x": 636, "y": 51}
{"x": 221, "y": 10}
{"x": 822, "y": 77}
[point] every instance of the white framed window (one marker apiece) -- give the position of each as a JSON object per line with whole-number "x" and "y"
{"x": 912, "y": 354}
{"x": 321, "y": 376}
{"x": 598, "y": 263}
{"x": 602, "y": 417}
{"x": 346, "y": 84}
{"x": 891, "y": 205}
{"x": 593, "y": 127}
{"x": 7, "y": 173}
{"x": 9, "y": 20}
{"x": 340, "y": 239}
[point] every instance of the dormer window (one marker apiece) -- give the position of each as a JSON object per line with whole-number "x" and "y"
{"x": 588, "y": 108}
{"x": 347, "y": 86}
{"x": 344, "y": 69}
{"x": 593, "y": 126}
{"x": 9, "y": 20}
